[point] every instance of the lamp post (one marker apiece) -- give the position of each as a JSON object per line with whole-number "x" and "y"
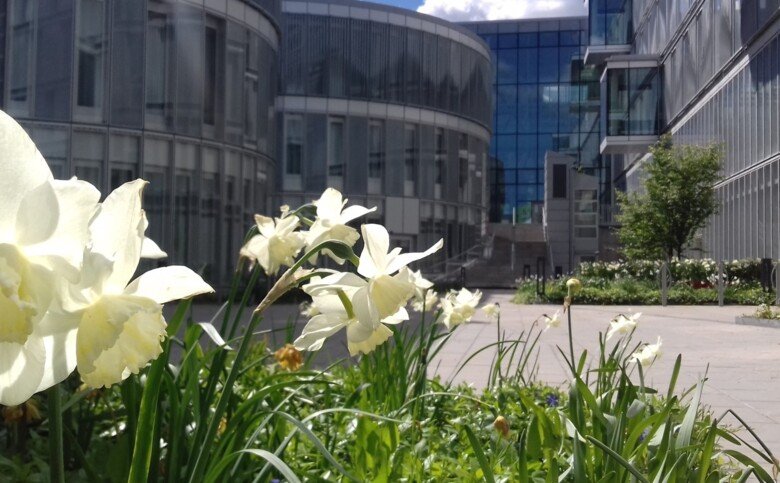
{"x": 514, "y": 222}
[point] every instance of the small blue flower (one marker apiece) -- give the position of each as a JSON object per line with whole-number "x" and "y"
{"x": 552, "y": 401}
{"x": 644, "y": 434}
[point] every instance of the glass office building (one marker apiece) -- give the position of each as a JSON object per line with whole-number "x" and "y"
{"x": 716, "y": 80}
{"x": 392, "y": 107}
{"x": 179, "y": 94}
{"x": 546, "y": 100}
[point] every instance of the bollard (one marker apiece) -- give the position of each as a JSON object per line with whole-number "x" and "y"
{"x": 721, "y": 285}
{"x": 766, "y": 274}
{"x": 665, "y": 276}
{"x": 777, "y": 284}
{"x": 540, "y": 270}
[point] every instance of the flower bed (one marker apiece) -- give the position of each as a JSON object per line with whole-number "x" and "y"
{"x": 637, "y": 283}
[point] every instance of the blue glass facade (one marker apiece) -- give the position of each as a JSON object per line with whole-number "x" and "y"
{"x": 545, "y": 100}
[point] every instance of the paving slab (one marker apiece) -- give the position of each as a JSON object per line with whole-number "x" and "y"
{"x": 742, "y": 363}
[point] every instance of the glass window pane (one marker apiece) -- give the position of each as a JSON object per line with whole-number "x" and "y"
{"x": 21, "y": 53}
{"x": 90, "y": 59}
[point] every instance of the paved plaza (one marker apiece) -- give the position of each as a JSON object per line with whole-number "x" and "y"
{"x": 744, "y": 361}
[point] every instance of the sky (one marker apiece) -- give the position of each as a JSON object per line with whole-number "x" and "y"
{"x": 469, "y": 10}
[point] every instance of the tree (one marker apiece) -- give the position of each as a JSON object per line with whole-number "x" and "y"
{"x": 677, "y": 200}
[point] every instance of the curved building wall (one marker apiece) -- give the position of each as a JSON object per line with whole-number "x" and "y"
{"x": 394, "y": 109}
{"x": 180, "y": 95}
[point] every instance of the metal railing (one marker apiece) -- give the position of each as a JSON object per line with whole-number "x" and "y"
{"x": 454, "y": 267}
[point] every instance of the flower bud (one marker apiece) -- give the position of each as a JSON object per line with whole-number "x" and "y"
{"x": 502, "y": 426}
{"x": 289, "y": 358}
{"x": 574, "y": 286}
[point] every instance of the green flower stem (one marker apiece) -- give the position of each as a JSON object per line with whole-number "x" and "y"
{"x": 347, "y": 304}
{"x": 571, "y": 344}
{"x": 56, "y": 448}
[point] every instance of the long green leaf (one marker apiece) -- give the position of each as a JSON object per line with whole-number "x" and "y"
{"x": 480, "y": 454}
{"x": 197, "y": 469}
{"x": 144, "y": 434}
{"x": 686, "y": 428}
{"x": 278, "y": 463}
{"x": 625, "y": 464}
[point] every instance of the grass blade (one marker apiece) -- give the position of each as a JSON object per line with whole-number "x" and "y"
{"x": 276, "y": 462}
{"x": 480, "y": 454}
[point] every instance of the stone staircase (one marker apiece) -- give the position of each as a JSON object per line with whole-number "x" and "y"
{"x": 496, "y": 271}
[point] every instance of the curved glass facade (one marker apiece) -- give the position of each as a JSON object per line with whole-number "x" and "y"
{"x": 182, "y": 96}
{"x": 393, "y": 108}
{"x": 357, "y": 50}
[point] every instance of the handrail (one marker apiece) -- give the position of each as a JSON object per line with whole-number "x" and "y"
{"x": 465, "y": 259}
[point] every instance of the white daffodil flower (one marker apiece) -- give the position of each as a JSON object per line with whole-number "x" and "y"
{"x": 428, "y": 303}
{"x": 342, "y": 301}
{"x": 121, "y": 325}
{"x": 648, "y": 354}
{"x": 493, "y": 311}
{"x": 459, "y": 307}
{"x": 554, "y": 321}
{"x": 277, "y": 243}
{"x": 331, "y": 222}
{"x": 623, "y": 325}
{"x": 43, "y": 231}
{"x": 421, "y": 285}
{"x": 378, "y": 264}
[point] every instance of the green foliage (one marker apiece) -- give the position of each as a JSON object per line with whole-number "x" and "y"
{"x": 677, "y": 200}
{"x": 210, "y": 411}
{"x": 632, "y": 292}
{"x": 636, "y": 282}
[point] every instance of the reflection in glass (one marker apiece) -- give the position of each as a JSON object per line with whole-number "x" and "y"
{"x": 90, "y": 51}
{"x": 88, "y": 154}
{"x": 293, "y": 150}
{"x": 159, "y": 69}
{"x": 376, "y": 156}
{"x": 440, "y": 160}
{"x": 21, "y": 52}
{"x": 410, "y": 160}
{"x": 335, "y": 153}
{"x": 123, "y": 152}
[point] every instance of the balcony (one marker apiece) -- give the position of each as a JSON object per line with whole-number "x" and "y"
{"x": 631, "y": 116}
{"x": 609, "y": 30}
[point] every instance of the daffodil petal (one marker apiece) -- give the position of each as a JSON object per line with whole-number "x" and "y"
{"x": 355, "y": 211}
{"x": 22, "y": 168}
{"x": 118, "y": 231}
{"x": 397, "y": 317}
{"x": 374, "y": 258}
{"x": 60, "y": 346}
{"x": 348, "y": 282}
{"x": 330, "y": 203}
{"x": 364, "y": 339}
{"x": 319, "y": 328}
{"x": 21, "y": 370}
{"x": 151, "y": 250}
{"x": 75, "y": 203}
{"x": 168, "y": 283}
{"x": 389, "y": 294}
{"x": 405, "y": 259}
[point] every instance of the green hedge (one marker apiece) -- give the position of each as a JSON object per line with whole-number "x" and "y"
{"x": 632, "y": 292}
